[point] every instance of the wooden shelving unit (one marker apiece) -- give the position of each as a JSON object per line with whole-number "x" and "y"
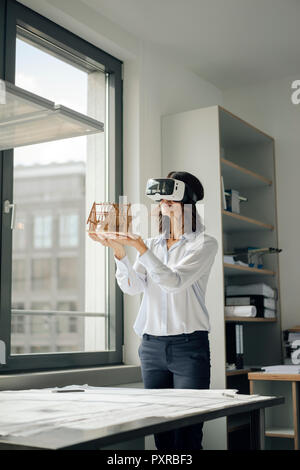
{"x": 248, "y": 167}
{"x": 286, "y": 433}
{"x": 250, "y": 319}
{"x": 237, "y": 223}
{"x": 242, "y": 177}
{"x": 285, "y": 425}
{"x": 230, "y": 373}
{"x": 238, "y": 270}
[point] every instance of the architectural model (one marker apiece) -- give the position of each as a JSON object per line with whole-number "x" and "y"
{"x": 110, "y": 217}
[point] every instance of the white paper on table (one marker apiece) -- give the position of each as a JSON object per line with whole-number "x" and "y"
{"x": 28, "y": 412}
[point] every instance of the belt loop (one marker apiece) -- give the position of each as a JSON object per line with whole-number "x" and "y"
{"x": 187, "y": 338}
{"x": 147, "y": 336}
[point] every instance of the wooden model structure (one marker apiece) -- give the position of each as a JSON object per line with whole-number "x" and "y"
{"x": 110, "y": 217}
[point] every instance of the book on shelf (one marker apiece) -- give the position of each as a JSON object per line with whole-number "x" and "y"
{"x": 224, "y": 204}
{"x": 261, "y": 303}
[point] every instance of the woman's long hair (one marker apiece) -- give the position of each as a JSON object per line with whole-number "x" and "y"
{"x": 189, "y": 223}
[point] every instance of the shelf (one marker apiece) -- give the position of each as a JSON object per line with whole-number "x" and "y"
{"x": 250, "y": 319}
{"x": 280, "y": 432}
{"x": 237, "y": 177}
{"x": 230, "y": 373}
{"x": 296, "y": 329}
{"x": 237, "y": 270}
{"x": 235, "y": 132}
{"x": 237, "y": 223}
{"x": 27, "y": 119}
{"x": 276, "y": 377}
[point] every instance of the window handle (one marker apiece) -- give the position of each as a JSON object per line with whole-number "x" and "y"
{"x": 2, "y": 353}
{"x": 7, "y": 207}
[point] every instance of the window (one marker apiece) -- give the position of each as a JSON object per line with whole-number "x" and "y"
{"x": 51, "y": 266}
{"x": 18, "y": 306}
{"x": 18, "y": 324}
{"x": 41, "y": 274}
{"x": 41, "y": 305}
{"x": 68, "y": 305}
{"x": 67, "y": 276}
{"x": 39, "y": 349}
{"x": 39, "y": 325}
{"x": 42, "y": 231}
{"x": 68, "y": 230}
{"x": 66, "y": 324}
{"x": 19, "y": 234}
{"x": 73, "y": 325}
{"x": 19, "y": 274}
{"x": 17, "y": 349}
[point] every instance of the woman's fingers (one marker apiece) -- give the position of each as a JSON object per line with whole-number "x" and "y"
{"x": 97, "y": 238}
{"x": 114, "y": 240}
{"x": 93, "y": 236}
{"x": 103, "y": 240}
{"x": 127, "y": 240}
{"x": 123, "y": 240}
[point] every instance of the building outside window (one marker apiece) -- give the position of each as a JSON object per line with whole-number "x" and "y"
{"x": 40, "y": 324}
{"x": 18, "y": 324}
{"x": 20, "y": 235}
{"x": 19, "y": 274}
{"x": 73, "y": 328}
{"x": 42, "y": 231}
{"x": 68, "y": 230}
{"x": 18, "y": 349}
{"x": 67, "y": 306}
{"x": 39, "y": 349}
{"x": 41, "y": 274}
{"x": 67, "y": 273}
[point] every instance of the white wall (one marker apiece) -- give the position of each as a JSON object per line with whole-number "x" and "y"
{"x": 153, "y": 86}
{"x": 269, "y": 107}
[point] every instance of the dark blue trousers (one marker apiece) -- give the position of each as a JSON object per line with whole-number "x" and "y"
{"x": 177, "y": 361}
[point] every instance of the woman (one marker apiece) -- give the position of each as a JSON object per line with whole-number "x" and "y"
{"x": 172, "y": 271}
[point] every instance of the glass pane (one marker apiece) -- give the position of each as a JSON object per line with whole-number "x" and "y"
{"x": 59, "y": 281}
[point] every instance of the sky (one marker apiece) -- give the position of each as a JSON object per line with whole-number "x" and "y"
{"x": 51, "y": 78}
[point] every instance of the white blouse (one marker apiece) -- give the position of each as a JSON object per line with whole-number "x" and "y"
{"x": 173, "y": 283}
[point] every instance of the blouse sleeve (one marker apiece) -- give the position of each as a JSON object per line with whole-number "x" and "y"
{"x": 189, "y": 269}
{"x": 132, "y": 280}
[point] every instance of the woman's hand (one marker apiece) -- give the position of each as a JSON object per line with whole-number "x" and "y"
{"x": 119, "y": 251}
{"x": 136, "y": 242}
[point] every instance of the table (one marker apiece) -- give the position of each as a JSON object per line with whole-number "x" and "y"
{"x": 64, "y": 437}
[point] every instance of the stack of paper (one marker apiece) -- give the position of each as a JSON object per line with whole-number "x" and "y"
{"x": 293, "y": 336}
{"x": 249, "y": 289}
{"x": 269, "y": 313}
{"x": 282, "y": 369}
{"x": 261, "y": 295}
{"x": 31, "y": 412}
{"x": 240, "y": 311}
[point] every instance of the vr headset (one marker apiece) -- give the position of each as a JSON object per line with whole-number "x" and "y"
{"x": 169, "y": 189}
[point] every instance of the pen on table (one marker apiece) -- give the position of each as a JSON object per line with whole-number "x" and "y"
{"x": 229, "y": 394}
{"x": 67, "y": 391}
{"x": 235, "y": 395}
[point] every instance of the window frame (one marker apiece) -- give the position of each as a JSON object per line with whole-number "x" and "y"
{"x": 13, "y": 15}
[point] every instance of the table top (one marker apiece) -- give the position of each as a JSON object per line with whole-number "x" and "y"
{"x": 64, "y": 437}
{"x": 272, "y": 376}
